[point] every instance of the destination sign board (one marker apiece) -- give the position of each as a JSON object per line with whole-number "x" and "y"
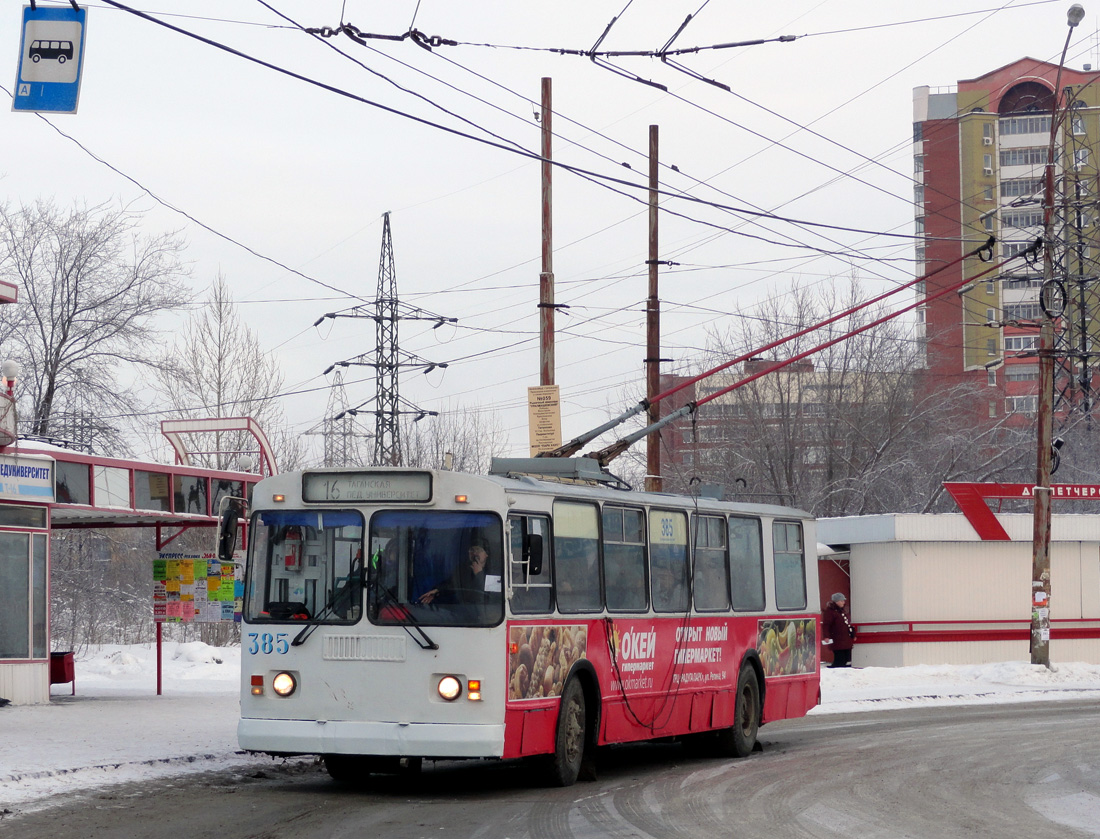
{"x": 366, "y": 486}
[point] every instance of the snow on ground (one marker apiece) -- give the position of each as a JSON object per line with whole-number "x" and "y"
{"x": 116, "y": 729}
{"x": 880, "y": 688}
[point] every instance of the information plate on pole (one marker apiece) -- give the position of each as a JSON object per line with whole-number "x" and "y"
{"x": 51, "y": 55}
{"x": 543, "y": 418}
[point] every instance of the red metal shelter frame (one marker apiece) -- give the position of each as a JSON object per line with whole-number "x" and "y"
{"x": 107, "y": 492}
{"x": 972, "y": 497}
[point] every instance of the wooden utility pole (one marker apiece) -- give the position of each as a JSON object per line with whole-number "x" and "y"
{"x": 653, "y": 328}
{"x": 1040, "y": 563}
{"x": 546, "y": 277}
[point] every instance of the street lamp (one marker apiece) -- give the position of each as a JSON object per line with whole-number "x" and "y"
{"x": 1040, "y": 564}
{"x": 10, "y": 371}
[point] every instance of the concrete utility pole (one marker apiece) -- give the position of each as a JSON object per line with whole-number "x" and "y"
{"x": 653, "y": 482}
{"x": 1040, "y": 565}
{"x": 546, "y": 278}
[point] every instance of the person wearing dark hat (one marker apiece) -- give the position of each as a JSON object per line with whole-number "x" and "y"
{"x": 468, "y": 580}
{"x": 839, "y": 636}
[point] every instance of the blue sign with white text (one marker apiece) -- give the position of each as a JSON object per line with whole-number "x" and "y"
{"x": 51, "y": 54}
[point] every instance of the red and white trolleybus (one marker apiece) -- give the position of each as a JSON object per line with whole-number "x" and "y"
{"x": 393, "y": 615}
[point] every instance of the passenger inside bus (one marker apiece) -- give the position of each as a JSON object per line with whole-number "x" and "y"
{"x": 670, "y": 592}
{"x": 384, "y": 567}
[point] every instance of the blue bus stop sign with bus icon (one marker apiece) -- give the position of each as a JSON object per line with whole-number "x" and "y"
{"x": 51, "y": 55}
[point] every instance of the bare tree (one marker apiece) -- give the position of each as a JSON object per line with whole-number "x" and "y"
{"x": 852, "y": 431}
{"x": 100, "y": 588}
{"x": 90, "y": 288}
{"x": 218, "y": 369}
{"x": 471, "y": 436}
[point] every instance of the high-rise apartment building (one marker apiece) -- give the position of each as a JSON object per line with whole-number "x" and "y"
{"x": 980, "y": 151}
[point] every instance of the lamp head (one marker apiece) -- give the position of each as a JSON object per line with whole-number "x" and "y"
{"x": 10, "y": 370}
{"x": 1075, "y": 15}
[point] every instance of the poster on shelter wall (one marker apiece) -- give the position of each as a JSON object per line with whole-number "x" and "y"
{"x": 196, "y": 588}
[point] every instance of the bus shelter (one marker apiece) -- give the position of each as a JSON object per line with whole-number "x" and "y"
{"x": 44, "y": 488}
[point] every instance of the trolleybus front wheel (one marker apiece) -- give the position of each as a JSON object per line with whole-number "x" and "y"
{"x": 569, "y": 741}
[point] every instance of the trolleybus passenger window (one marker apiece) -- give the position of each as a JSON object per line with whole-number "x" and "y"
{"x": 711, "y": 581}
{"x": 668, "y": 560}
{"x": 576, "y": 557}
{"x": 746, "y": 565}
{"x": 790, "y": 565}
{"x": 624, "y": 560}
{"x": 530, "y": 564}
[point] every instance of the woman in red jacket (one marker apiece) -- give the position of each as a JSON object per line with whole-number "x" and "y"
{"x": 837, "y": 631}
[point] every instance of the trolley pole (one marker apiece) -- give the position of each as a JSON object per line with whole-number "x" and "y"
{"x": 546, "y": 277}
{"x": 653, "y": 482}
{"x": 1040, "y": 565}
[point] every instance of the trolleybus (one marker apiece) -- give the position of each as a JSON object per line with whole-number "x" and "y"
{"x": 394, "y": 615}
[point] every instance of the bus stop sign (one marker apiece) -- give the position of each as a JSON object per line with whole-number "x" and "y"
{"x": 51, "y": 54}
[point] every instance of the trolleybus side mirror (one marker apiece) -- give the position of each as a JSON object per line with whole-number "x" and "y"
{"x": 532, "y": 553}
{"x": 230, "y": 510}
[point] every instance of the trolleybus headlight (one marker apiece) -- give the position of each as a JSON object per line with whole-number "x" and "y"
{"x": 450, "y": 688}
{"x": 284, "y": 684}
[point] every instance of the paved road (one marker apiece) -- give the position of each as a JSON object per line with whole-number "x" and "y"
{"x": 992, "y": 771}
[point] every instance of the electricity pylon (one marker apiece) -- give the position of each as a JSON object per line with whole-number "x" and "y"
{"x": 388, "y": 358}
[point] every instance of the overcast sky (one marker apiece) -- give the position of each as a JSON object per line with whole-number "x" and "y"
{"x": 817, "y": 129}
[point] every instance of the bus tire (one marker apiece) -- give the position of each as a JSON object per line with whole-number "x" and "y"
{"x": 346, "y": 769}
{"x": 739, "y": 740}
{"x": 569, "y": 740}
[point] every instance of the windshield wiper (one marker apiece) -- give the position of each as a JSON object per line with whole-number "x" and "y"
{"x": 405, "y": 617}
{"x": 424, "y": 642}
{"x": 337, "y": 595}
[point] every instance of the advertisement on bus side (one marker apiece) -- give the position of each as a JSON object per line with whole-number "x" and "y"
{"x": 648, "y": 655}
{"x": 787, "y": 647}
{"x": 540, "y": 658}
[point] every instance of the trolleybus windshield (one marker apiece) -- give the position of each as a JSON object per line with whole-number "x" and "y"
{"x": 305, "y": 566}
{"x": 435, "y": 568}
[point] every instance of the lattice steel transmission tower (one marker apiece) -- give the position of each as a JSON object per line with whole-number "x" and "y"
{"x": 1076, "y": 299}
{"x": 387, "y": 430}
{"x": 340, "y": 432}
{"x": 388, "y": 358}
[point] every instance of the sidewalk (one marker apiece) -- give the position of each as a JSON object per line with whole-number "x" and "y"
{"x": 116, "y": 729}
{"x": 90, "y": 740}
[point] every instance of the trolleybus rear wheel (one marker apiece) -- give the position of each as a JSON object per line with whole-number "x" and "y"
{"x": 569, "y": 741}
{"x": 740, "y": 739}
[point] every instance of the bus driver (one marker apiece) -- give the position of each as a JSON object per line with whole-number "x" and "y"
{"x": 468, "y": 583}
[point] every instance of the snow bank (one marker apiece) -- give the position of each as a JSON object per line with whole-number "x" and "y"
{"x": 845, "y": 690}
